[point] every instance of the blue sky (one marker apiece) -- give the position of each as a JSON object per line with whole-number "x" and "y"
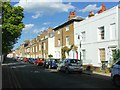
{"x": 39, "y": 16}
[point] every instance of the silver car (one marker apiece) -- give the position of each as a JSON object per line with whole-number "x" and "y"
{"x": 70, "y": 65}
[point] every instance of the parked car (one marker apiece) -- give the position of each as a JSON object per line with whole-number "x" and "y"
{"x": 70, "y": 65}
{"x": 21, "y": 58}
{"x": 46, "y": 63}
{"x": 31, "y": 60}
{"x": 39, "y": 62}
{"x": 25, "y": 59}
{"x": 18, "y": 58}
{"x": 115, "y": 73}
{"x": 53, "y": 63}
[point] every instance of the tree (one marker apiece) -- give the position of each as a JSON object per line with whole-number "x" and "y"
{"x": 12, "y": 25}
{"x": 73, "y": 47}
{"x": 116, "y": 55}
{"x": 63, "y": 50}
{"x": 50, "y": 56}
{"x": 66, "y": 49}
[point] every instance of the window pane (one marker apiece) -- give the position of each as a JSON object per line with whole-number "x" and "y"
{"x": 67, "y": 28}
{"x": 102, "y": 54}
{"x": 58, "y": 42}
{"x": 101, "y": 33}
{"x": 67, "y": 40}
{"x": 112, "y": 31}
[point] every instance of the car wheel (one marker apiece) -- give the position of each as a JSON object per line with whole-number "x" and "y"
{"x": 116, "y": 80}
{"x": 37, "y": 64}
{"x": 67, "y": 71}
{"x": 58, "y": 69}
{"x": 49, "y": 67}
{"x": 80, "y": 72}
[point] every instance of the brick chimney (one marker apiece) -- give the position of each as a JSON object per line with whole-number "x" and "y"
{"x": 91, "y": 14}
{"x": 72, "y": 15}
{"x": 50, "y": 30}
{"x": 103, "y": 9}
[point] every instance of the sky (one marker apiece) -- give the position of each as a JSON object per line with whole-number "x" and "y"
{"x": 40, "y": 15}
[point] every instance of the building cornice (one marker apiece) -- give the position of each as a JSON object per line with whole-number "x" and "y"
{"x": 67, "y": 23}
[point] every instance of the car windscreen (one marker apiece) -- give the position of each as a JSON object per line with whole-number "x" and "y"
{"x": 75, "y": 61}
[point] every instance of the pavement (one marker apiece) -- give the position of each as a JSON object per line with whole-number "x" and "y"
{"x": 0, "y": 77}
{"x": 85, "y": 72}
{"x": 104, "y": 74}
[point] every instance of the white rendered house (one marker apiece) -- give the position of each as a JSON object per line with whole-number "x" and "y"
{"x": 99, "y": 35}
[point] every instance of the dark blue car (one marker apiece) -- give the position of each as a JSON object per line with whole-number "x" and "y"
{"x": 31, "y": 60}
{"x": 53, "y": 63}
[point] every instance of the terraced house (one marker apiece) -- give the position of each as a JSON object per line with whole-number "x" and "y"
{"x": 64, "y": 35}
{"x": 46, "y": 43}
{"x": 95, "y": 38}
{"x": 99, "y": 36}
{"x": 39, "y": 46}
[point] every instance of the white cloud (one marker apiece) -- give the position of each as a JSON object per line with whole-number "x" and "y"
{"x": 37, "y": 14}
{"x": 36, "y": 31}
{"x": 28, "y": 26}
{"x": 44, "y": 7}
{"x": 46, "y": 23}
{"x": 90, "y": 8}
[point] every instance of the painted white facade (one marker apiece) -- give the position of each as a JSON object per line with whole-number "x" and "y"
{"x": 51, "y": 48}
{"x": 58, "y": 52}
{"x": 92, "y": 43}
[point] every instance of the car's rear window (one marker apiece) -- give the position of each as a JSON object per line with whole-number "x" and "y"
{"x": 118, "y": 63}
{"x": 75, "y": 61}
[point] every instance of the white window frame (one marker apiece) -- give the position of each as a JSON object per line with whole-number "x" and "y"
{"x": 44, "y": 46}
{"x": 58, "y": 42}
{"x": 36, "y": 49}
{"x": 30, "y": 49}
{"x": 112, "y": 32}
{"x": 67, "y": 27}
{"x": 100, "y": 37}
{"x": 83, "y": 36}
{"x": 83, "y": 54}
{"x": 39, "y": 47}
{"x": 33, "y": 48}
{"x": 104, "y": 54}
{"x": 58, "y": 31}
{"x": 67, "y": 40}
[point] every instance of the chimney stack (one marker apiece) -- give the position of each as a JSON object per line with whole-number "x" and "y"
{"x": 50, "y": 30}
{"x": 103, "y": 9}
{"x": 72, "y": 15}
{"x": 91, "y": 14}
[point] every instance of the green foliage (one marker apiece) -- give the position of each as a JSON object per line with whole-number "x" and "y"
{"x": 73, "y": 47}
{"x": 66, "y": 49}
{"x": 63, "y": 50}
{"x": 50, "y": 56}
{"x": 12, "y": 25}
{"x": 91, "y": 15}
{"x": 116, "y": 55}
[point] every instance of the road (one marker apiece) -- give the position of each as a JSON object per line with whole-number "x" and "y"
{"x": 25, "y": 75}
